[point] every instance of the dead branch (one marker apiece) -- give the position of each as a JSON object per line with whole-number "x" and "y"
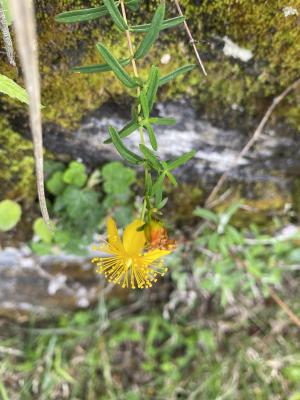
{"x": 24, "y": 24}
{"x": 6, "y": 38}
{"x": 250, "y": 143}
{"x": 191, "y": 39}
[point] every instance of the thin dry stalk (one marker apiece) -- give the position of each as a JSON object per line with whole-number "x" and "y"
{"x": 253, "y": 139}
{"x": 24, "y": 24}
{"x": 7, "y": 38}
{"x": 191, "y": 39}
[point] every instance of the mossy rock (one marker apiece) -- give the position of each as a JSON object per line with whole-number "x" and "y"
{"x": 17, "y": 176}
{"x": 234, "y": 94}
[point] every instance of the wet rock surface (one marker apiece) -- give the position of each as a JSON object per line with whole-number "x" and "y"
{"x": 273, "y": 158}
{"x": 43, "y": 286}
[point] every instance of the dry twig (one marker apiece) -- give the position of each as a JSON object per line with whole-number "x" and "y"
{"x": 250, "y": 143}
{"x": 6, "y": 37}
{"x": 191, "y": 39}
{"x": 24, "y": 24}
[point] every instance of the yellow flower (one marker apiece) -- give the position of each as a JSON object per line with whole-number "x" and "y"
{"x": 127, "y": 263}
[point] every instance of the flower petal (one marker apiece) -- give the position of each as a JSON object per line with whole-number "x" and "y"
{"x": 152, "y": 255}
{"x": 112, "y": 234}
{"x": 133, "y": 240}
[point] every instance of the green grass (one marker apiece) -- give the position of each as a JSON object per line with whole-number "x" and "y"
{"x": 127, "y": 350}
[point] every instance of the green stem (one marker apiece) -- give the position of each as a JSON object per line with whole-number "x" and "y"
{"x": 136, "y": 74}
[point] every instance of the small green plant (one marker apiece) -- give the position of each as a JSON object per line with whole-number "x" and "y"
{"x": 10, "y": 214}
{"x": 137, "y": 264}
{"x": 144, "y": 94}
{"x": 231, "y": 260}
{"x": 80, "y": 202}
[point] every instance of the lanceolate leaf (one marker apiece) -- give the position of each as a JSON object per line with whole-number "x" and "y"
{"x": 86, "y": 14}
{"x": 12, "y": 89}
{"x": 152, "y": 84}
{"x": 115, "y": 14}
{"x": 167, "y": 23}
{"x": 148, "y": 183}
{"x": 157, "y": 189}
{"x": 181, "y": 160}
{"x": 151, "y": 157}
{"x": 122, "y": 149}
{"x": 144, "y": 104}
{"x": 88, "y": 69}
{"x": 117, "y": 68}
{"x": 152, "y": 33}
{"x": 126, "y": 131}
{"x": 162, "y": 121}
{"x": 177, "y": 72}
{"x": 133, "y": 4}
{"x": 152, "y": 137}
{"x": 172, "y": 178}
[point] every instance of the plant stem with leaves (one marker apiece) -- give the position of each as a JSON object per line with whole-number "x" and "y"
{"x": 155, "y": 169}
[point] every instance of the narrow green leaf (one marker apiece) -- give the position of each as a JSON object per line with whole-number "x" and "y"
{"x": 162, "y": 121}
{"x": 172, "y": 178}
{"x": 162, "y": 203}
{"x": 151, "y": 157}
{"x": 206, "y": 214}
{"x": 122, "y": 149}
{"x": 117, "y": 68}
{"x": 181, "y": 160}
{"x": 152, "y": 33}
{"x": 133, "y": 5}
{"x": 88, "y": 69}
{"x": 86, "y": 14}
{"x": 12, "y": 89}
{"x": 152, "y": 84}
{"x": 115, "y": 14}
{"x": 167, "y": 23}
{"x": 126, "y": 131}
{"x": 157, "y": 189}
{"x": 148, "y": 183}
{"x": 177, "y": 72}
{"x": 144, "y": 104}
{"x": 152, "y": 137}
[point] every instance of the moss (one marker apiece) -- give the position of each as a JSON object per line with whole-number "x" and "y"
{"x": 296, "y": 195}
{"x": 17, "y": 178}
{"x": 234, "y": 94}
{"x": 261, "y": 27}
{"x": 267, "y": 200}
